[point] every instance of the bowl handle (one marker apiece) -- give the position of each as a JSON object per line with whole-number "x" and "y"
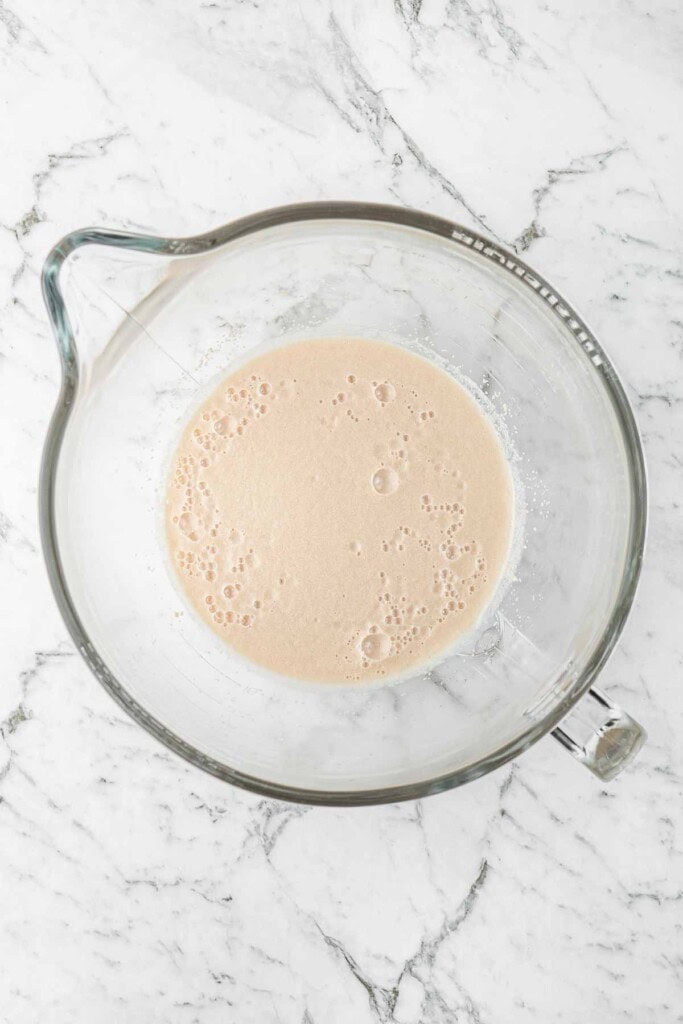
{"x": 600, "y": 735}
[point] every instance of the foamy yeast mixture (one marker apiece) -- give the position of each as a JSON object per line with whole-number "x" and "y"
{"x": 339, "y": 510}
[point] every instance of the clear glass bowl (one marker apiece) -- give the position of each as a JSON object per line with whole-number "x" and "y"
{"x": 151, "y": 321}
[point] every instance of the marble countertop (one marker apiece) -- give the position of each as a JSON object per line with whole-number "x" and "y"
{"x": 133, "y": 887}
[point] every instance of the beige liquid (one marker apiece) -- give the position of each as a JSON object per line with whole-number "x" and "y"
{"x": 339, "y": 510}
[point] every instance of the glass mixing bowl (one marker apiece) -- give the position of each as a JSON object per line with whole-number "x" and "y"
{"x": 143, "y": 326}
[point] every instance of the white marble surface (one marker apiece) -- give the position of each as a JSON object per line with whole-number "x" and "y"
{"x": 132, "y": 887}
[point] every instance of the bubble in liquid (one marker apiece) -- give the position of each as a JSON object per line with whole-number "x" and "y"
{"x": 385, "y": 393}
{"x": 225, "y": 425}
{"x": 385, "y": 480}
{"x": 186, "y": 523}
{"x": 375, "y": 646}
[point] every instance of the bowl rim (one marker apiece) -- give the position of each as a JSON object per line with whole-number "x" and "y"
{"x": 334, "y": 211}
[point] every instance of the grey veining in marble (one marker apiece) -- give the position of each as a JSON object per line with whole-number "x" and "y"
{"x": 132, "y": 887}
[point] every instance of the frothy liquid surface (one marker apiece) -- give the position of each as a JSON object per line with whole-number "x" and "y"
{"x": 339, "y": 510}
